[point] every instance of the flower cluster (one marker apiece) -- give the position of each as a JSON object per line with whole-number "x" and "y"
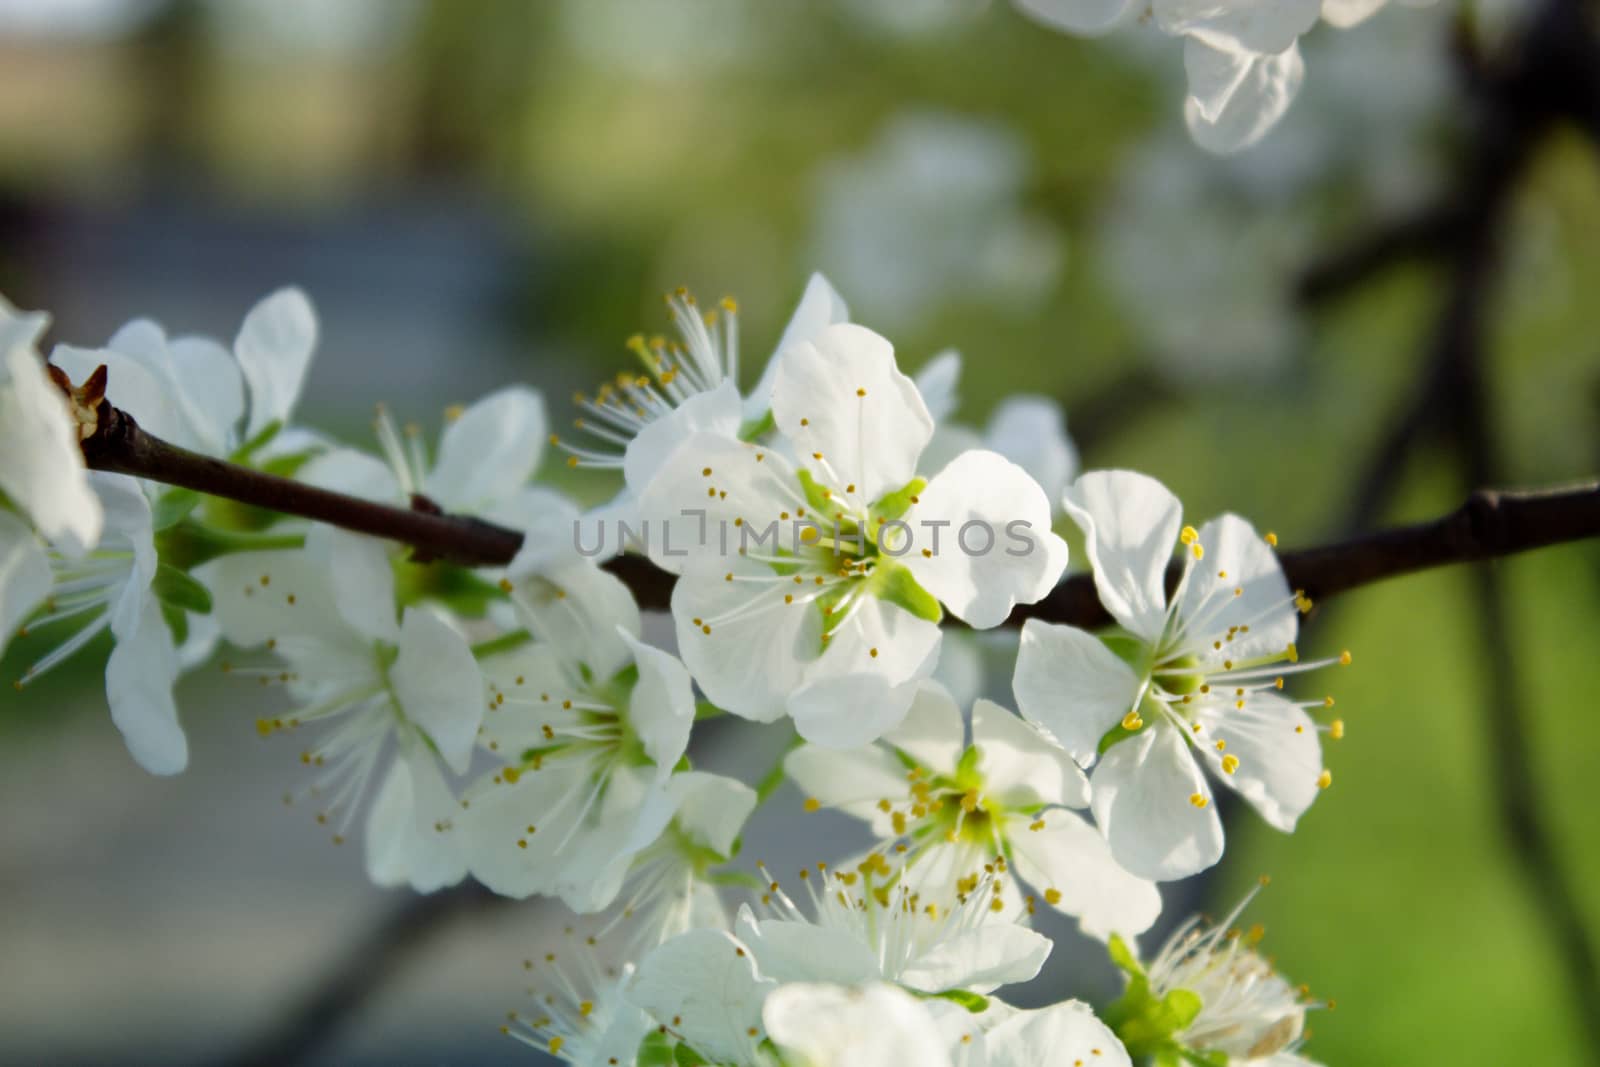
{"x": 1242, "y": 57}
{"x": 511, "y": 723}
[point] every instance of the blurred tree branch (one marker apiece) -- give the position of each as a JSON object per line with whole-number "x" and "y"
{"x": 1547, "y": 77}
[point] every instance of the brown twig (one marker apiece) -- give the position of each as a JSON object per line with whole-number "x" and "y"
{"x": 1489, "y": 525}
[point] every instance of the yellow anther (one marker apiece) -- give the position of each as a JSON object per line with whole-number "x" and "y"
{"x": 1222, "y": 746}
{"x": 1272, "y": 539}
{"x": 1336, "y": 729}
{"x": 812, "y": 803}
{"x": 1230, "y": 764}
{"x": 1325, "y": 779}
{"x": 1292, "y": 652}
{"x": 1344, "y": 658}
{"x": 1131, "y": 721}
{"x": 1198, "y": 800}
{"x": 1189, "y": 535}
{"x": 511, "y": 774}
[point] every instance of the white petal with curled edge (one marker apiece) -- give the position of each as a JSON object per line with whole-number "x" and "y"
{"x": 1130, "y": 524}
{"x": 41, "y": 464}
{"x": 933, "y": 732}
{"x": 998, "y": 550}
{"x": 1143, "y": 794}
{"x": 490, "y": 451}
{"x": 274, "y": 350}
{"x": 841, "y": 395}
{"x": 661, "y": 708}
{"x": 1062, "y": 1033}
{"x": 1070, "y": 684}
{"x": 362, "y": 580}
{"x": 1235, "y": 100}
{"x": 1278, "y": 754}
{"x": 716, "y": 411}
{"x": 854, "y": 780}
{"x": 979, "y": 959}
{"x": 24, "y": 574}
{"x": 1258, "y": 27}
{"x": 1240, "y": 597}
{"x": 749, "y": 664}
{"x": 410, "y": 840}
{"x": 937, "y": 381}
{"x": 710, "y": 808}
{"x": 139, "y": 679}
{"x": 1031, "y": 432}
{"x": 1069, "y": 856}
{"x": 820, "y": 306}
{"x": 706, "y": 983}
{"x": 1085, "y": 17}
{"x": 438, "y": 684}
{"x": 841, "y": 1026}
{"x": 127, "y": 529}
{"x": 1020, "y": 767}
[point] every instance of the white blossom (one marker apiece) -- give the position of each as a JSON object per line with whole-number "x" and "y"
{"x": 813, "y": 589}
{"x": 960, "y": 809}
{"x": 1195, "y": 683}
{"x": 394, "y": 697}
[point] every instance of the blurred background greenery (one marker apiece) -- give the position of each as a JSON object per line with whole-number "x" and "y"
{"x": 487, "y": 190}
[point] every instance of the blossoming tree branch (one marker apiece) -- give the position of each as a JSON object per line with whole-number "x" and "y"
{"x": 463, "y": 674}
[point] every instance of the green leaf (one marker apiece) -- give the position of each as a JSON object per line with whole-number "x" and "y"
{"x": 704, "y": 709}
{"x": 656, "y": 1050}
{"x": 682, "y": 764}
{"x": 177, "y": 621}
{"x": 895, "y": 584}
{"x": 172, "y": 507}
{"x": 974, "y": 1002}
{"x": 172, "y": 586}
{"x": 684, "y": 1056}
{"x": 263, "y": 438}
{"x": 896, "y": 504}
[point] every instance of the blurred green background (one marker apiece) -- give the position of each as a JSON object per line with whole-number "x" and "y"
{"x": 479, "y": 191}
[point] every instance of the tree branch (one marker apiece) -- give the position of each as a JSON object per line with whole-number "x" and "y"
{"x": 1489, "y": 525}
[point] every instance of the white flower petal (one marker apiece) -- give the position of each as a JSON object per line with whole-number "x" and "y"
{"x": 751, "y": 664}
{"x": 867, "y": 676}
{"x": 933, "y": 732}
{"x": 1347, "y": 13}
{"x": 344, "y": 470}
{"x": 716, "y": 411}
{"x": 835, "y": 1026}
{"x": 490, "y": 452}
{"x": 362, "y": 579}
{"x": 1278, "y": 752}
{"x": 1060, "y": 1034}
{"x": 979, "y": 959}
{"x": 578, "y": 608}
{"x": 661, "y": 709}
{"x": 1086, "y": 17}
{"x": 705, "y": 984}
{"x": 1020, "y": 767}
{"x": 438, "y": 684}
{"x": 1142, "y": 799}
{"x": 1070, "y": 684}
{"x": 997, "y": 551}
{"x": 841, "y": 395}
{"x": 1235, "y": 100}
{"x": 1237, "y": 559}
{"x": 132, "y": 386}
{"x": 794, "y": 951}
{"x": 853, "y": 780}
{"x": 937, "y": 382}
{"x": 1262, "y": 27}
{"x": 274, "y": 350}
{"x": 1031, "y": 432}
{"x": 1130, "y": 524}
{"x": 710, "y": 808}
{"x": 41, "y": 465}
{"x": 405, "y": 844}
{"x": 139, "y": 679}
{"x": 820, "y": 306}
{"x": 24, "y": 574}
{"x": 210, "y": 390}
{"x": 257, "y": 596}
{"x": 1069, "y": 856}
{"x": 514, "y": 831}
